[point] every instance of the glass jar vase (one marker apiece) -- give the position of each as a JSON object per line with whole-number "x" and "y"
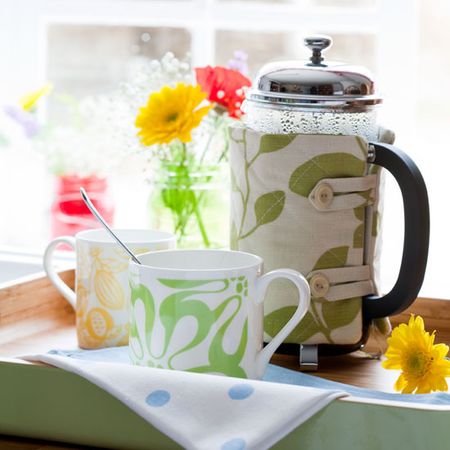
{"x": 193, "y": 203}
{"x": 69, "y": 214}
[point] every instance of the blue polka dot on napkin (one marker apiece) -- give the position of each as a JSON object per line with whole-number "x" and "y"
{"x": 240, "y": 391}
{"x": 158, "y": 398}
{"x": 234, "y": 444}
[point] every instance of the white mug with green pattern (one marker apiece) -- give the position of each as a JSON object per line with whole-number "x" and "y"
{"x": 101, "y": 282}
{"x": 202, "y": 311}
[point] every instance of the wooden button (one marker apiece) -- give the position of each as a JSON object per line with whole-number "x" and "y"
{"x": 319, "y": 285}
{"x": 323, "y": 196}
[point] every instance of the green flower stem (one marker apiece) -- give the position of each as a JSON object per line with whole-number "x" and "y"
{"x": 183, "y": 154}
{"x": 200, "y": 223}
{"x": 190, "y": 202}
{"x": 217, "y": 124}
{"x": 179, "y": 195}
{"x": 184, "y": 216}
{"x": 181, "y": 224}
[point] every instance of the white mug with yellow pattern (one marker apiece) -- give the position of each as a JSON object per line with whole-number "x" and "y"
{"x": 102, "y": 283}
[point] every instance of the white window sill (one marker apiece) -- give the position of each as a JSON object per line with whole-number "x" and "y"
{"x": 21, "y": 266}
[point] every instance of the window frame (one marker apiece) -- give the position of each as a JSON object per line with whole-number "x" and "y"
{"x": 24, "y": 61}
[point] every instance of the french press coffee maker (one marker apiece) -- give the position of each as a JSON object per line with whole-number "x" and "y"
{"x": 307, "y": 183}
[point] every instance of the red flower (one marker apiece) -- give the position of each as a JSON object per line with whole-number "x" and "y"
{"x": 224, "y": 87}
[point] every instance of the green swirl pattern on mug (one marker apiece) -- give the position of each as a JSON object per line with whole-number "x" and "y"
{"x": 190, "y": 298}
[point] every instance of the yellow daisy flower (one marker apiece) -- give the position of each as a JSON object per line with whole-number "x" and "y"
{"x": 28, "y": 101}
{"x": 423, "y": 363}
{"x": 171, "y": 113}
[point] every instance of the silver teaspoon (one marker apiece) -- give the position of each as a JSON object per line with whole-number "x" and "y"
{"x": 98, "y": 216}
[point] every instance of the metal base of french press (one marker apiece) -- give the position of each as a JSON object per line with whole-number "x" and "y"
{"x": 309, "y": 355}
{"x": 308, "y": 358}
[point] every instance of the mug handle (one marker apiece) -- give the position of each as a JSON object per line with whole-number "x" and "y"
{"x": 416, "y": 238}
{"x": 62, "y": 287}
{"x": 304, "y": 299}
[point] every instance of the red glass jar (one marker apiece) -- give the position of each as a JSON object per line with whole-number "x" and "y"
{"x": 69, "y": 214}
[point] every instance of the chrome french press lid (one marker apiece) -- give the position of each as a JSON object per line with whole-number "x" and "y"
{"x": 317, "y": 84}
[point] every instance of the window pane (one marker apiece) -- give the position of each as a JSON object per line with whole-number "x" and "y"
{"x": 260, "y": 47}
{"x": 264, "y": 1}
{"x": 85, "y": 60}
{"x": 314, "y": 3}
{"x": 264, "y": 47}
{"x": 353, "y": 49}
{"x": 345, "y": 3}
{"x": 430, "y": 136}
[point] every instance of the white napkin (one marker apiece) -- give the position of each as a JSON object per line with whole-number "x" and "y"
{"x": 204, "y": 411}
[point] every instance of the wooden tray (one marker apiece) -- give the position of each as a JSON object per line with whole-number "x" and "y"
{"x": 37, "y": 401}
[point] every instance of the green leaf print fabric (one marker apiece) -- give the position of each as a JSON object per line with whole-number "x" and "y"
{"x": 331, "y": 165}
{"x": 276, "y": 180}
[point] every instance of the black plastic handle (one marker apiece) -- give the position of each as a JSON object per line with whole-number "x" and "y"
{"x": 417, "y": 233}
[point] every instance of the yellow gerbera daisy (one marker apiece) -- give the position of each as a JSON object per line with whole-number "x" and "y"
{"x": 171, "y": 113}
{"x": 423, "y": 363}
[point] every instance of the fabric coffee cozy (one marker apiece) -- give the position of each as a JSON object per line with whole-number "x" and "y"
{"x": 311, "y": 203}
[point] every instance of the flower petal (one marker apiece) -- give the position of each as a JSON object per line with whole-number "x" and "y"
{"x": 424, "y": 366}
{"x": 171, "y": 113}
{"x": 400, "y": 383}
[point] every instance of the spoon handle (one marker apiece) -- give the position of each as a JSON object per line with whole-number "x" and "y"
{"x": 98, "y": 216}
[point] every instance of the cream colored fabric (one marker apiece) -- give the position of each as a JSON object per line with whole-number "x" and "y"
{"x": 281, "y": 211}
